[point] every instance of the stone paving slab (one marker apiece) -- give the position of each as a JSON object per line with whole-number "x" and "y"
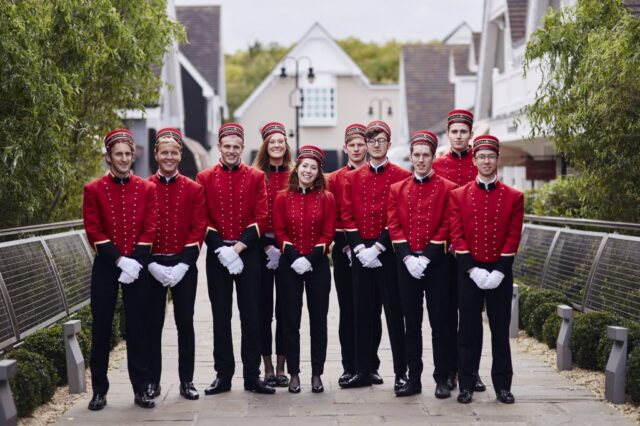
{"x": 543, "y": 397}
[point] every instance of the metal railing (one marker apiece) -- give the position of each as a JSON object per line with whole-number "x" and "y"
{"x": 594, "y": 270}
{"x": 42, "y": 279}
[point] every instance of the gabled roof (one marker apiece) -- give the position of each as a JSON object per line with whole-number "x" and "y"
{"x": 634, "y": 7}
{"x": 429, "y": 93}
{"x": 203, "y": 48}
{"x": 517, "y": 10}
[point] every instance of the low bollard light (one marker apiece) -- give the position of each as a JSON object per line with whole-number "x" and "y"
{"x": 75, "y": 360}
{"x": 564, "y": 360}
{"x": 8, "y": 411}
{"x": 615, "y": 376}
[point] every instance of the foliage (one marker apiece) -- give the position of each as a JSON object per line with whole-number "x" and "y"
{"x": 588, "y": 101}
{"x": 633, "y": 375}
{"x": 535, "y": 298}
{"x": 551, "y": 329}
{"x": 34, "y": 382}
{"x": 66, "y": 68}
{"x": 537, "y": 318}
{"x": 604, "y": 346}
{"x": 560, "y": 197}
{"x": 49, "y": 342}
{"x": 588, "y": 331}
{"x": 379, "y": 62}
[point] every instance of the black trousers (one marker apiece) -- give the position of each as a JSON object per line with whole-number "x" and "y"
{"x": 343, "y": 279}
{"x": 183, "y": 297}
{"x": 317, "y": 284}
{"x": 435, "y": 287}
{"x": 220, "y": 286}
{"x": 498, "y": 301}
{"x": 265, "y": 306}
{"x": 370, "y": 284}
{"x": 104, "y": 295}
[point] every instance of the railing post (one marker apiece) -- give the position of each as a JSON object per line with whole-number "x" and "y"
{"x": 564, "y": 361}
{"x": 75, "y": 360}
{"x": 616, "y": 372}
{"x": 515, "y": 312}
{"x": 8, "y": 411}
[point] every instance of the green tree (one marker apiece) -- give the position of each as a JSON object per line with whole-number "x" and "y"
{"x": 379, "y": 62}
{"x": 588, "y": 101}
{"x": 66, "y": 68}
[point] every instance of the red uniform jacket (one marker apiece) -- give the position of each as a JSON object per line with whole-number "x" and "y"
{"x": 335, "y": 183}
{"x": 182, "y": 217}
{"x": 236, "y": 200}
{"x": 417, "y": 217}
{"x": 120, "y": 217}
{"x": 304, "y": 223}
{"x": 486, "y": 224}
{"x": 457, "y": 168}
{"x": 278, "y": 180}
{"x": 364, "y": 202}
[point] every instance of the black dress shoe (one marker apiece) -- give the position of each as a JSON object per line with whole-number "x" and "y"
{"x": 318, "y": 387}
{"x": 442, "y": 391}
{"x": 141, "y": 399}
{"x": 258, "y": 386}
{"x": 271, "y": 381}
{"x": 376, "y": 379}
{"x": 358, "y": 380}
{"x": 189, "y": 391}
{"x": 465, "y": 396}
{"x": 282, "y": 381}
{"x": 345, "y": 377}
{"x": 218, "y": 386}
{"x": 400, "y": 382}
{"x": 452, "y": 381}
{"x": 153, "y": 390}
{"x": 410, "y": 388}
{"x": 98, "y": 402}
{"x": 505, "y": 396}
{"x": 479, "y": 386}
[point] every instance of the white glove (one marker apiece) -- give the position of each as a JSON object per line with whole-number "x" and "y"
{"x": 367, "y": 256}
{"x": 479, "y": 276}
{"x": 273, "y": 255}
{"x": 236, "y": 267}
{"x": 130, "y": 266}
{"x": 414, "y": 266}
{"x": 125, "y": 278}
{"x": 347, "y": 251}
{"x": 301, "y": 265}
{"x": 177, "y": 273}
{"x": 424, "y": 260}
{"x": 226, "y": 255}
{"x": 161, "y": 273}
{"x": 494, "y": 280}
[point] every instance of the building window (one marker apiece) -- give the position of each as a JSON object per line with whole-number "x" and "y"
{"x": 320, "y": 107}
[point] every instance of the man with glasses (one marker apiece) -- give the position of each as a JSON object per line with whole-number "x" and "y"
{"x": 364, "y": 216}
{"x": 486, "y": 225}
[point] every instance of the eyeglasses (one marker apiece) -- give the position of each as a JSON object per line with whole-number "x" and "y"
{"x": 379, "y": 141}
{"x": 490, "y": 157}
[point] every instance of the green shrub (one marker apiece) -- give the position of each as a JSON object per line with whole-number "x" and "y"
{"x": 524, "y": 292}
{"x": 586, "y": 336}
{"x": 34, "y": 382}
{"x": 604, "y": 345}
{"x": 535, "y": 298}
{"x": 551, "y": 329}
{"x": 49, "y": 342}
{"x": 538, "y": 317}
{"x": 559, "y": 197}
{"x": 633, "y": 375}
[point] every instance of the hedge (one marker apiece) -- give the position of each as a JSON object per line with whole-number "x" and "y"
{"x": 533, "y": 299}
{"x": 538, "y": 317}
{"x": 588, "y": 330}
{"x": 34, "y": 382}
{"x": 551, "y": 329}
{"x": 604, "y": 345}
{"x": 633, "y": 375}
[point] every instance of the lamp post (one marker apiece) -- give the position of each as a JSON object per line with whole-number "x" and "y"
{"x": 300, "y": 98}
{"x": 381, "y": 102}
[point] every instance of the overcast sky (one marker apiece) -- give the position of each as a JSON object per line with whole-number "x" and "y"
{"x": 286, "y": 21}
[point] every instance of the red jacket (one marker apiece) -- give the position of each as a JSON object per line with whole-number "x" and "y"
{"x": 278, "y": 180}
{"x": 417, "y": 217}
{"x": 182, "y": 217}
{"x": 457, "y": 168}
{"x": 304, "y": 222}
{"x": 120, "y": 217}
{"x": 364, "y": 202}
{"x": 236, "y": 200}
{"x": 486, "y": 225}
{"x": 335, "y": 183}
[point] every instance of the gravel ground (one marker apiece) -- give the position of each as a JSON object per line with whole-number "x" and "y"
{"x": 591, "y": 380}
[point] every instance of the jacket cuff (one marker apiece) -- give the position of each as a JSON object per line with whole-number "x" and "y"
{"x": 465, "y": 261}
{"x": 250, "y": 236}
{"x": 108, "y": 251}
{"x": 384, "y": 239}
{"x": 434, "y": 251}
{"x": 504, "y": 264}
{"x": 354, "y": 238}
{"x": 290, "y": 252}
{"x": 401, "y": 248}
{"x": 267, "y": 241}
{"x": 190, "y": 255}
{"x": 213, "y": 239}
{"x": 142, "y": 253}
{"x": 316, "y": 254}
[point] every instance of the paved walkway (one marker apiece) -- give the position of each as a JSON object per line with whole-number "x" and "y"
{"x": 542, "y": 396}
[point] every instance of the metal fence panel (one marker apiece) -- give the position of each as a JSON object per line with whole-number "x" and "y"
{"x": 32, "y": 284}
{"x": 73, "y": 266}
{"x": 528, "y": 267}
{"x": 616, "y": 280}
{"x": 8, "y": 333}
{"x": 570, "y": 263}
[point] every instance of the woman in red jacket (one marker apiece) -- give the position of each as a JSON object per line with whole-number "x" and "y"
{"x": 304, "y": 224}
{"x": 274, "y": 159}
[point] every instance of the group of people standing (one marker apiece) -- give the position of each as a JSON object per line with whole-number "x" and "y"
{"x": 447, "y": 232}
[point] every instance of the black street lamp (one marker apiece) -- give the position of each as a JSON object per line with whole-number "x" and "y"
{"x": 381, "y": 102}
{"x": 300, "y": 98}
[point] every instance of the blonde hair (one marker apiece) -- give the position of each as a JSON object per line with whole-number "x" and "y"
{"x": 262, "y": 157}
